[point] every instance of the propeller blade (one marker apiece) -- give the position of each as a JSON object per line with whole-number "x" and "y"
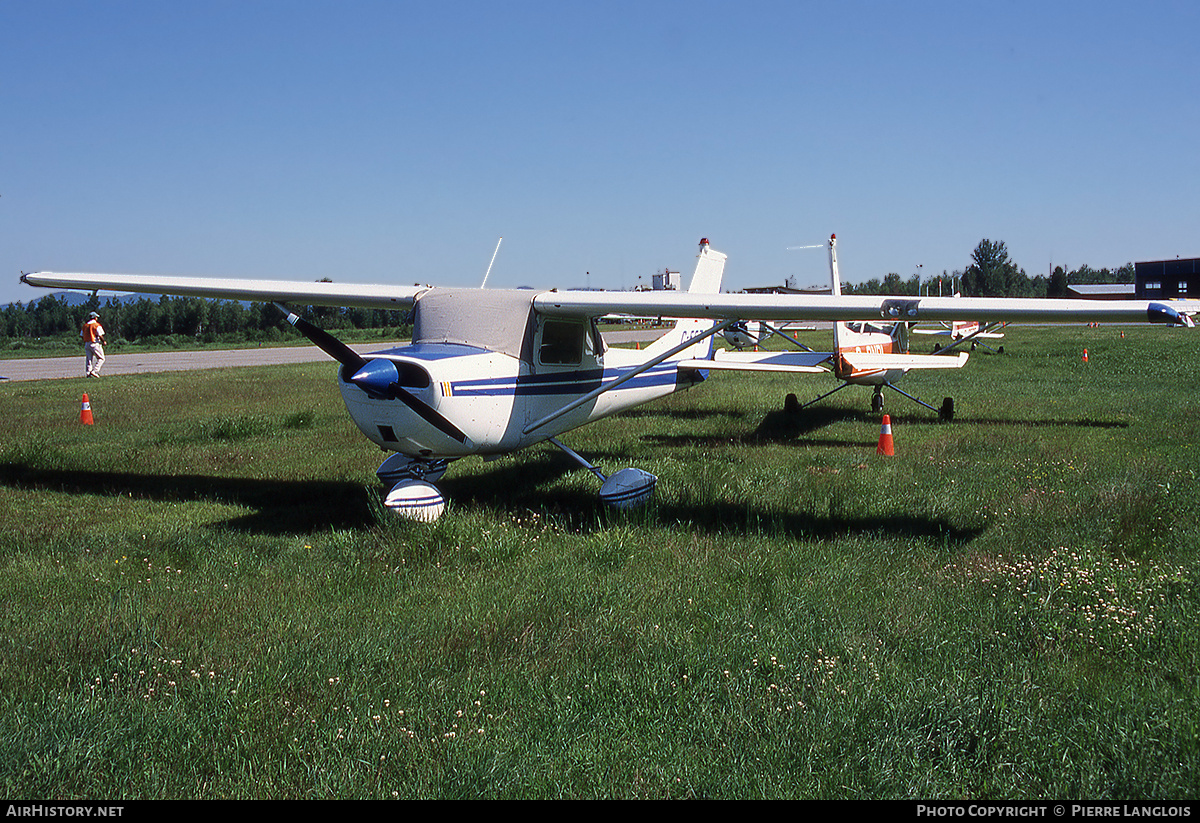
{"x": 326, "y": 342}
{"x": 376, "y": 377}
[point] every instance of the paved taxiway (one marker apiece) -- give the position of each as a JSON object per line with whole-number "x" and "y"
{"x": 53, "y": 368}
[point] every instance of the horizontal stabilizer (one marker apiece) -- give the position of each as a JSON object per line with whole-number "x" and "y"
{"x": 865, "y": 361}
{"x": 796, "y": 362}
{"x": 989, "y": 335}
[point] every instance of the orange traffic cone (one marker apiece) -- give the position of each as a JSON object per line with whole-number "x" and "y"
{"x": 1085, "y": 355}
{"x": 885, "y": 438}
{"x": 85, "y": 414}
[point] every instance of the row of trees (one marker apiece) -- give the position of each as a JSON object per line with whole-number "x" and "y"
{"x": 993, "y": 274}
{"x": 204, "y": 320}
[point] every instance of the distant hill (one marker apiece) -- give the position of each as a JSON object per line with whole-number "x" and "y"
{"x": 71, "y": 298}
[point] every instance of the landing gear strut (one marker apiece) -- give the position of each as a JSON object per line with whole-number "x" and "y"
{"x": 946, "y": 412}
{"x": 624, "y": 489}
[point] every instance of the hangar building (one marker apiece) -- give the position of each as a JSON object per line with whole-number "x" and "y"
{"x": 1167, "y": 279}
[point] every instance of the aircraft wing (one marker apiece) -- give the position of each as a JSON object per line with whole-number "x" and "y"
{"x": 776, "y": 307}
{"x": 672, "y": 304}
{"x": 866, "y": 361}
{"x": 300, "y": 292}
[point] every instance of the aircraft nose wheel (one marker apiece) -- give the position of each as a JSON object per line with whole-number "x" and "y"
{"x": 412, "y": 493}
{"x": 946, "y": 412}
{"x": 416, "y": 500}
{"x": 877, "y": 400}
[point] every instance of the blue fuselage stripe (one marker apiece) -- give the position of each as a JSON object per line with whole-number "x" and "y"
{"x": 575, "y": 382}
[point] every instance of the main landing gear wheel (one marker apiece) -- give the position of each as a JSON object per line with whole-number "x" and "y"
{"x": 624, "y": 489}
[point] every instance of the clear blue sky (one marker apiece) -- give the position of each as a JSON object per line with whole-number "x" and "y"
{"x": 396, "y": 142}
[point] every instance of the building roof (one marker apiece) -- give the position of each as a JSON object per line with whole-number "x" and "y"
{"x": 1104, "y": 291}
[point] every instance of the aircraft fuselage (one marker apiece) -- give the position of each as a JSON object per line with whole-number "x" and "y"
{"x": 492, "y": 397}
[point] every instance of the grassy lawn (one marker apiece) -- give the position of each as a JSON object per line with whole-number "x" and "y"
{"x": 203, "y": 597}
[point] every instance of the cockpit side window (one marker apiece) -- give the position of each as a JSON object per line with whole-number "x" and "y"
{"x": 598, "y": 346}
{"x": 562, "y": 343}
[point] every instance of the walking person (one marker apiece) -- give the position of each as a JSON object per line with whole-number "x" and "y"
{"x": 93, "y": 345}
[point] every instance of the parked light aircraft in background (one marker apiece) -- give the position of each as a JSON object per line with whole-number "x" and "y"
{"x": 964, "y": 332}
{"x": 491, "y": 371}
{"x": 967, "y": 330}
{"x": 865, "y": 352}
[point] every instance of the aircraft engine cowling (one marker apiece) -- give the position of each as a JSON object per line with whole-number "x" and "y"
{"x": 742, "y": 334}
{"x": 1162, "y": 313}
{"x": 737, "y": 335}
{"x": 381, "y": 377}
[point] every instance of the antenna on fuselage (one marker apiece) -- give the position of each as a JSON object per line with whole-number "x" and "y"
{"x": 483, "y": 285}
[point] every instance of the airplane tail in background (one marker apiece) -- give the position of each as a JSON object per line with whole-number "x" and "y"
{"x": 710, "y": 269}
{"x": 854, "y": 341}
{"x": 835, "y": 288}
{"x": 835, "y": 281}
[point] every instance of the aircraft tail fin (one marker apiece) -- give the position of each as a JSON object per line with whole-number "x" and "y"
{"x": 710, "y": 269}
{"x": 859, "y": 337}
{"x": 835, "y": 285}
{"x": 835, "y": 280}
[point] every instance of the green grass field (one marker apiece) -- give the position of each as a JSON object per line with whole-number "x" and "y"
{"x": 203, "y": 597}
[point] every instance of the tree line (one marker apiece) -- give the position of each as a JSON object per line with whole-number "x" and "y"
{"x": 992, "y": 273}
{"x": 204, "y": 320}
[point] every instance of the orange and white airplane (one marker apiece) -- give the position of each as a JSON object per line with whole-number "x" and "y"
{"x": 865, "y": 352}
{"x": 868, "y": 353}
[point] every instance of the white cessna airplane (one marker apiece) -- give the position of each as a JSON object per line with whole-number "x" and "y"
{"x": 969, "y": 330}
{"x": 491, "y": 371}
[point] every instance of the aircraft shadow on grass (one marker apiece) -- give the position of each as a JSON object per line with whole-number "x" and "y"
{"x": 790, "y": 425}
{"x": 522, "y": 486}
{"x": 686, "y": 414}
{"x": 279, "y": 506}
{"x": 783, "y": 427}
{"x": 282, "y": 507}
